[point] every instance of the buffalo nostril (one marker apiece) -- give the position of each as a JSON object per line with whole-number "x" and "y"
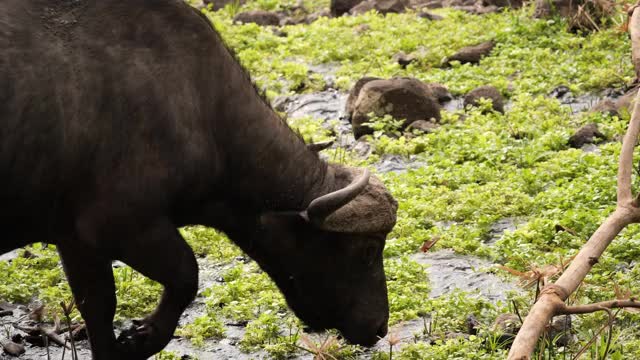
{"x": 382, "y": 331}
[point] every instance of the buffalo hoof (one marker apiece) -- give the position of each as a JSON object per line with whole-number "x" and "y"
{"x": 143, "y": 339}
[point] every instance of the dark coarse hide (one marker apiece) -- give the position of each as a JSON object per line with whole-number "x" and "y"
{"x": 124, "y": 120}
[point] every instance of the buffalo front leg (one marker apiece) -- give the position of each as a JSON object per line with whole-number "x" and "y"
{"x": 91, "y": 279}
{"x": 161, "y": 254}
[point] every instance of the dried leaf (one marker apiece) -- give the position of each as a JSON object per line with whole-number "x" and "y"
{"x": 428, "y": 244}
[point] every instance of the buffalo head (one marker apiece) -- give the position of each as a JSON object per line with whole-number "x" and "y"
{"x": 327, "y": 260}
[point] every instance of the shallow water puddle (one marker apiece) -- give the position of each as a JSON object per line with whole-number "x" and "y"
{"x": 449, "y": 271}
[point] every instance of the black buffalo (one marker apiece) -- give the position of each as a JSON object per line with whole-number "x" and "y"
{"x": 122, "y": 120}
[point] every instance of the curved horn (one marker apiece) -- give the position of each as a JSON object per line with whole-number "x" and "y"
{"x": 317, "y": 147}
{"x": 322, "y": 207}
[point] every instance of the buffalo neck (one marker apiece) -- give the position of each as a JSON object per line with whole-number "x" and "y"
{"x": 267, "y": 166}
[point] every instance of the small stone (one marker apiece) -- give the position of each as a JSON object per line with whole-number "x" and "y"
{"x": 472, "y": 54}
{"x": 363, "y": 149}
{"x": 28, "y": 255}
{"x": 472, "y": 324}
{"x": 260, "y": 17}
{"x": 560, "y": 92}
{"x": 219, "y": 4}
{"x": 586, "y": 135}
{"x": 430, "y": 16}
{"x": 560, "y": 330}
{"x": 421, "y": 127}
{"x": 485, "y": 92}
{"x": 12, "y": 348}
{"x": 507, "y": 326}
{"x": 17, "y": 338}
{"x": 404, "y": 59}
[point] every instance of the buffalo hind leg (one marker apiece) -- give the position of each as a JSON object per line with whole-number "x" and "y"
{"x": 91, "y": 278}
{"x": 161, "y": 254}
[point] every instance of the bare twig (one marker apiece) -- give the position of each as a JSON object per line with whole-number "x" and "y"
{"x": 594, "y": 337}
{"x": 601, "y": 306}
{"x": 67, "y": 309}
{"x": 552, "y": 297}
{"x": 46, "y": 344}
{"x": 50, "y": 333}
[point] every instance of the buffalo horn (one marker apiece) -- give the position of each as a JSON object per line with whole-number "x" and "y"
{"x": 317, "y": 147}
{"x": 322, "y": 207}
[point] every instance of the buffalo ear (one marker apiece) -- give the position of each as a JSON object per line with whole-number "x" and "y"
{"x": 317, "y": 147}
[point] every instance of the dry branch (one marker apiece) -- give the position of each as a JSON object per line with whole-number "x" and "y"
{"x": 42, "y": 330}
{"x": 634, "y": 32}
{"x": 552, "y": 298}
{"x": 601, "y": 306}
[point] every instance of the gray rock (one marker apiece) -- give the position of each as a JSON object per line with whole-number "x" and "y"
{"x": 402, "y": 98}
